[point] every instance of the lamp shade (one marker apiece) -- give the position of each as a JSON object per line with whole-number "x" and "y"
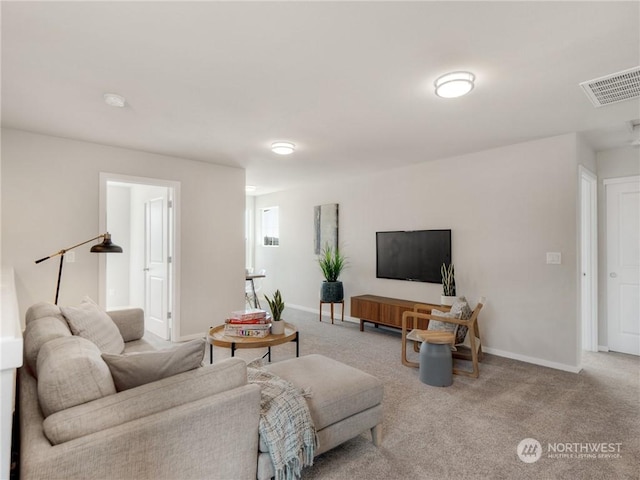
{"x": 106, "y": 246}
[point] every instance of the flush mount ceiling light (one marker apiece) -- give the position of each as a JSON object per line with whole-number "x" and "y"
{"x": 250, "y": 188}
{"x": 454, "y": 84}
{"x": 114, "y": 100}
{"x": 282, "y": 148}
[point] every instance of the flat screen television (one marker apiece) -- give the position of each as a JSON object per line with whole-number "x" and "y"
{"x": 412, "y": 255}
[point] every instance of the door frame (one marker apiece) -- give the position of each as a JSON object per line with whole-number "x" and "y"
{"x": 174, "y": 233}
{"x": 589, "y": 256}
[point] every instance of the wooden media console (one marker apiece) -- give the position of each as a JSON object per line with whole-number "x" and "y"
{"x": 382, "y": 310}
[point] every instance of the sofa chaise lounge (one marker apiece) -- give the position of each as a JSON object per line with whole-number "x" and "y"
{"x": 201, "y": 423}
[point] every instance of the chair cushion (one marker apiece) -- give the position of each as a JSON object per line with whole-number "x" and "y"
{"x": 71, "y": 372}
{"x": 461, "y": 308}
{"x": 134, "y": 369}
{"x": 87, "y": 320}
{"x": 337, "y": 390}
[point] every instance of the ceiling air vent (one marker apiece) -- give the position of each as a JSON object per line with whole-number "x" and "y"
{"x": 613, "y": 88}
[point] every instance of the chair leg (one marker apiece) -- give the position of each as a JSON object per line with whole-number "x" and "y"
{"x": 376, "y": 435}
{"x": 475, "y": 369}
{"x": 404, "y": 352}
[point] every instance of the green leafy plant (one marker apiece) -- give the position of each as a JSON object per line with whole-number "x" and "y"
{"x": 276, "y": 304}
{"x": 331, "y": 262}
{"x": 448, "y": 280}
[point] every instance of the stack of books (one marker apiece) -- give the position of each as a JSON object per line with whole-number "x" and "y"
{"x": 248, "y": 323}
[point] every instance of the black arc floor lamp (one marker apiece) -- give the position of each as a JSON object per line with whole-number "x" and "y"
{"x": 105, "y": 247}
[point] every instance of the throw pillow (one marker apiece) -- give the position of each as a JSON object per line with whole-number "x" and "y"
{"x": 87, "y": 320}
{"x": 442, "y": 326}
{"x": 461, "y": 308}
{"x": 133, "y": 369}
{"x": 71, "y": 372}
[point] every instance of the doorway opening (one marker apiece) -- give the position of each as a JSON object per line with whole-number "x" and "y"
{"x": 142, "y": 213}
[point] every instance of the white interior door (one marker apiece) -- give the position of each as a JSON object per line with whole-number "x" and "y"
{"x": 623, "y": 262}
{"x": 589, "y": 259}
{"x": 156, "y": 268}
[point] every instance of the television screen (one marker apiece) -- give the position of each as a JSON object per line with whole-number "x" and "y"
{"x": 412, "y": 255}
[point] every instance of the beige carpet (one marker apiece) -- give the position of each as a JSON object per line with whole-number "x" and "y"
{"x": 472, "y": 428}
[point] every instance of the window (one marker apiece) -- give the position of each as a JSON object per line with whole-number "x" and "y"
{"x": 270, "y": 230}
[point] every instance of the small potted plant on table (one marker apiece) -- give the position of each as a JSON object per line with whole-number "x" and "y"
{"x": 276, "y": 305}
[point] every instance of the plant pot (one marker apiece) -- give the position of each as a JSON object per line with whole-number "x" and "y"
{"x": 331, "y": 292}
{"x": 447, "y": 300}
{"x": 277, "y": 328}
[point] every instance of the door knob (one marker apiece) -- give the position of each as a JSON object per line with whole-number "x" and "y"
{"x": 613, "y": 274}
{"x": 145, "y": 269}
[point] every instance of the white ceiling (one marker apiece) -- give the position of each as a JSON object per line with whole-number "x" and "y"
{"x": 350, "y": 83}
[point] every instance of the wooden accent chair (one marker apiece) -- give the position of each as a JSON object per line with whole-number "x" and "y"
{"x": 471, "y": 351}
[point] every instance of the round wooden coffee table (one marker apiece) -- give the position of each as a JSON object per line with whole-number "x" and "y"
{"x": 217, "y": 337}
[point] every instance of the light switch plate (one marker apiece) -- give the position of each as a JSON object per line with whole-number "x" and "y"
{"x": 554, "y": 258}
{"x": 70, "y": 257}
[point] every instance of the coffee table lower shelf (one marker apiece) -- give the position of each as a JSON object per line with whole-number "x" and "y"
{"x": 217, "y": 337}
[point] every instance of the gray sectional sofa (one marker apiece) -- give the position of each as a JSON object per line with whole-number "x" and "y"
{"x": 198, "y": 424}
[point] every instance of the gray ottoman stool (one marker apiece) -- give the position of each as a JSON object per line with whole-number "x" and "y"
{"x": 344, "y": 402}
{"x": 436, "y": 364}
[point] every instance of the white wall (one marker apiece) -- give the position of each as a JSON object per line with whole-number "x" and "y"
{"x": 506, "y": 207}
{"x": 50, "y": 195}
{"x": 621, "y": 162}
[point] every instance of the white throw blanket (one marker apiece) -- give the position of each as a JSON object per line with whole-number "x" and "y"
{"x": 285, "y": 424}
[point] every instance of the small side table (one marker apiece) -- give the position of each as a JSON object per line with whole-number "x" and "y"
{"x": 436, "y": 364}
{"x": 332, "y": 303}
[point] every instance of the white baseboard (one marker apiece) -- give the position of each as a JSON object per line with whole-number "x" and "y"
{"x": 492, "y": 351}
{"x": 603, "y": 348}
{"x": 533, "y": 360}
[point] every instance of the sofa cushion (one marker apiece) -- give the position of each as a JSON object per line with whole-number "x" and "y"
{"x": 149, "y": 399}
{"x": 38, "y": 332}
{"x": 87, "y": 320}
{"x": 130, "y": 323}
{"x": 134, "y": 369}
{"x": 43, "y": 309}
{"x": 337, "y": 391}
{"x": 71, "y": 372}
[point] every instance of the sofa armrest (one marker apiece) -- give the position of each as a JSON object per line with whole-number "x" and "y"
{"x": 130, "y": 322}
{"x": 214, "y": 438}
{"x": 149, "y": 399}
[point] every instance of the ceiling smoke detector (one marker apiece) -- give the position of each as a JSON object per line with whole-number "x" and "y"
{"x": 114, "y": 100}
{"x": 613, "y": 88}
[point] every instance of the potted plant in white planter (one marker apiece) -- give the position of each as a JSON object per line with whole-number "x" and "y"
{"x": 276, "y": 305}
{"x": 331, "y": 262}
{"x": 448, "y": 285}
